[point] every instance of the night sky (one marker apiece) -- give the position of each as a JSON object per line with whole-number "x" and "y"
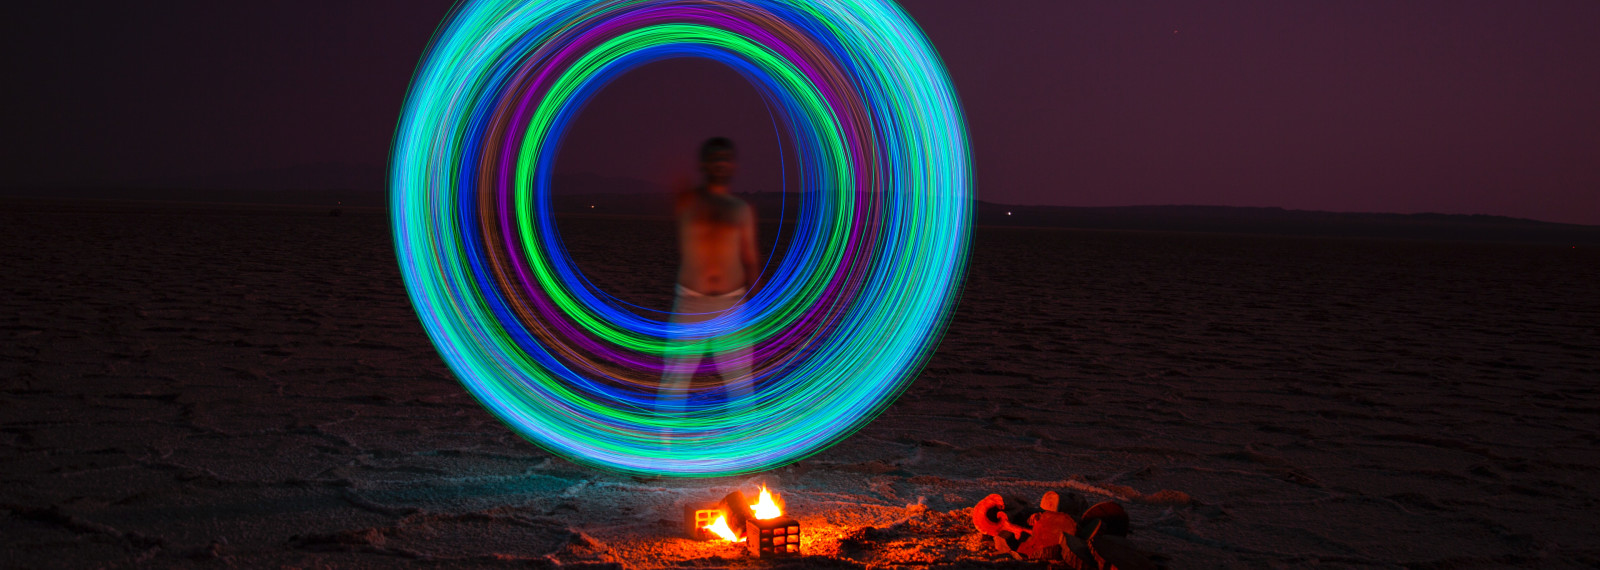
{"x": 1451, "y": 106}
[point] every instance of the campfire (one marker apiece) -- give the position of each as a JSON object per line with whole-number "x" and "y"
{"x": 760, "y": 524}
{"x": 1064, "y": 530}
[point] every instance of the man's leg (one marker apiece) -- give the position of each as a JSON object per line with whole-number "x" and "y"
{"x": 733, "y": 365}
{"x": 673, "y": 394}
{"x": 732, "y": 357}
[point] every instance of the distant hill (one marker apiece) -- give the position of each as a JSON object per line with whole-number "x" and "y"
{"x": 333, "y": 185}
{"x": 330, "y": 197}
{"x": 1279, "y": 221}
{"x": 1211, "y": 219}
{"x": 589, "y": 194}
{"x": 310, "y": 177}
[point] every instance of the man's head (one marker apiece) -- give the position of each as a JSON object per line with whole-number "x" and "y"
{"x": 717, "y": 160}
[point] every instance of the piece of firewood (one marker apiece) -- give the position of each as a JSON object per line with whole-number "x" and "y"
{"x": 1068, "y": 502}
{"x": 1006, "y": 543}
{"x": 1076, "y": 555}
{"x": 1114, "y": 520}
{"x": 1044, "y": 538}
{"x": 736, "y": 509}
{"x": 995, "y": 513}
{"x": 1015, "y": 516}
{"x": 984, "y": 514}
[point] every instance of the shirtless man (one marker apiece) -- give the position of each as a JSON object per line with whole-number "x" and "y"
{"x": 717, "y": 243}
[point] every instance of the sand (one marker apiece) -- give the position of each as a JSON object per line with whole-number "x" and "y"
{"x": 190, "y": 385}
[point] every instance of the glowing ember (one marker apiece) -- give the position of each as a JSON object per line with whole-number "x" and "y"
{"x": 765, "y": 508}
{"x": 720, "y": 528}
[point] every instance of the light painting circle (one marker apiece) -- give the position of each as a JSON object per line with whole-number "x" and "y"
{"x": 848, "y": 315}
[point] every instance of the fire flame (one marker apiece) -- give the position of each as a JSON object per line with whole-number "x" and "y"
{"x": 766, "y": 508}
{"x": 720, "y": 528}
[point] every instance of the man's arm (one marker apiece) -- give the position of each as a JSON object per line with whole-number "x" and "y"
{"x": 747, "y": 250}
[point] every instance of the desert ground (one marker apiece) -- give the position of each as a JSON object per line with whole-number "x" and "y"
{"x": 221, "y": 385}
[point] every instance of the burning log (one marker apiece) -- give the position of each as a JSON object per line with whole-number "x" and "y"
{"x": 735, "y": 510}
{"x": 724, "y": 521}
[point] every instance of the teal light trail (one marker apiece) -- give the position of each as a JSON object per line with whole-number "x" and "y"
{"x": 849, "y": 315}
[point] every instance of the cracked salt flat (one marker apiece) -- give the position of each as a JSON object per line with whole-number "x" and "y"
{"x": 195, "y": 385}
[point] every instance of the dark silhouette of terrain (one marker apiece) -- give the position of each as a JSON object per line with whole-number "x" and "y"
{"x": 592, "y": 194}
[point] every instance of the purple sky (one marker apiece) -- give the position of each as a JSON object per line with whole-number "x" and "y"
{"x": 1449, "y": 106}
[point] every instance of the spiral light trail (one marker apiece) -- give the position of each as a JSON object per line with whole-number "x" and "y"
{"x": 849, "y": 314}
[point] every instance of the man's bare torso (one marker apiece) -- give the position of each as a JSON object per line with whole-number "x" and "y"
{"x": 712, "y": 233}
